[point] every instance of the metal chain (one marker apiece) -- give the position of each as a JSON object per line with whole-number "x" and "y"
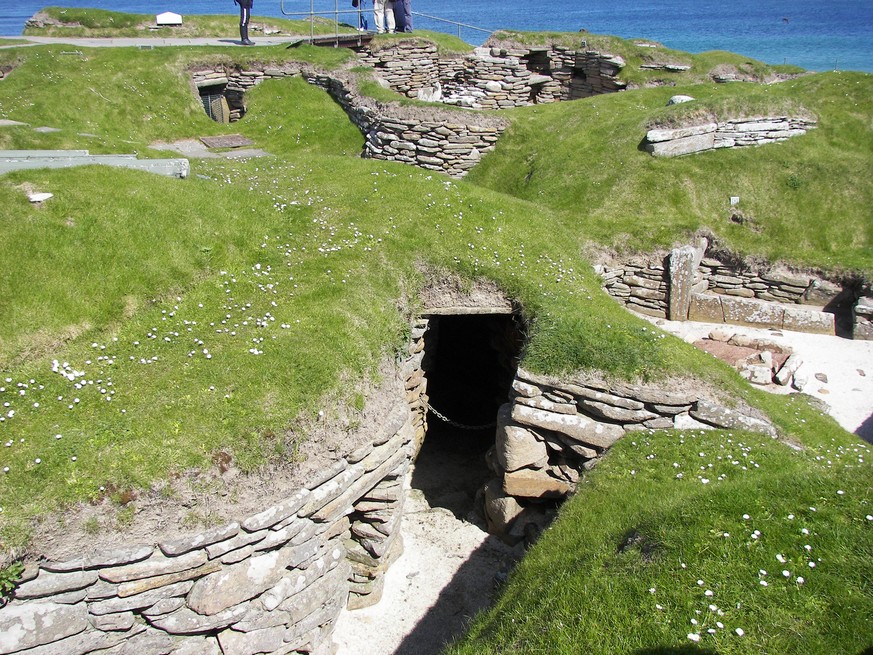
{"x": 455, "y": 424}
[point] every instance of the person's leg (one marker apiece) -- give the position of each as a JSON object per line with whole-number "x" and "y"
{"x": 398, "y": 14}
{"x": 407, "y": 15}
{"x": 390, "y": 23}
{"x": 379, "y": 15}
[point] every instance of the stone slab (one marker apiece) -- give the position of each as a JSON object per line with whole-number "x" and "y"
{"x": 576, "y": 427}
{"x": 33, "y": 624}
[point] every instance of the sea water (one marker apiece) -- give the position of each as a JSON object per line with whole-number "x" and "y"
{"x": 814, "y": 34}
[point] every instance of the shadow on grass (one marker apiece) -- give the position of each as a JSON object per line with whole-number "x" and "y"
{"x": 865, "y": 431}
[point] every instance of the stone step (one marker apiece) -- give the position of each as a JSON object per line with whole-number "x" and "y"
{"x": 14, "y": 160}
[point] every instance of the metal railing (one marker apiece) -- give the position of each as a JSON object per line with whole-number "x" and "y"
{"x": 360, "y": 13}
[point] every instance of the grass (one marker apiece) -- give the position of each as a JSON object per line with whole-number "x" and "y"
{"x": 151, "y": 323}
{"x": 725, "y": 540}
{"x": 70, "y": 22}
{"x": 582, "y": 159}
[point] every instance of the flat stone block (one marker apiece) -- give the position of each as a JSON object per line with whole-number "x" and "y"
{"x": 752, "y": 312}
{"x": 808, "y": 320}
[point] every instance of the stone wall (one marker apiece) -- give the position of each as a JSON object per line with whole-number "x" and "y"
{"x": 273, "y": 582}
{"x": 686, "y": 285}
{"x": 552, "y": 431}
{"x": 495, "y": 77}
{"x": 449, "y": 142}
{"x": 734, "y": 133}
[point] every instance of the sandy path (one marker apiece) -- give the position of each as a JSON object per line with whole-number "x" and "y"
{"x": 445, "y": 575}
{"x": 845, "y": 365}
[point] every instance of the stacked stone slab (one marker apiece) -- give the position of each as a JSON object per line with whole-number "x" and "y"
{"x": 273, "y": 582}
{"x": 687, "y": 286}
{"x": 451, "y": 143}
{"x": 407, "y": 66}
{"x": 736, "y": 133}
{"x": 640, "y": 284}
{"x": 551, "y": 431}
{"x": 863, "y": 318}
{"x": 495, "y": 77}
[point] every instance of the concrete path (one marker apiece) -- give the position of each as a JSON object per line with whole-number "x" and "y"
{"x": 145, "y": 42}
{"x": 138, "y": 42}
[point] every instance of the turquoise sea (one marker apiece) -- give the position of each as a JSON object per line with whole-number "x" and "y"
{"x": 815, "y": 34}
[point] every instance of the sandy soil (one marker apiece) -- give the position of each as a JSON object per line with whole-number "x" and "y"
{"x": 840, "y": 371}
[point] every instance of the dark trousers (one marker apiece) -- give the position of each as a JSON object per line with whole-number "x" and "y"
{"x": 403, "y": 15}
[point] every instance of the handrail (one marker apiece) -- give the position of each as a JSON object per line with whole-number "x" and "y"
{"x": 359, "y": 11}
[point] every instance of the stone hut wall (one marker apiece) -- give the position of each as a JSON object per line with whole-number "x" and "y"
{"x": 552, "y": 431}
{"x": 272, "y": 582}
{"x": 495, "y": 77}
{"x": 451, "y": 142}
{"x": 688, "y": 286}
{"x": 735, "y": 133}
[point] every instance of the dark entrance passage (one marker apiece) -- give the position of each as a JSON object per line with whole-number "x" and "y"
{"x": 470, "y": 363}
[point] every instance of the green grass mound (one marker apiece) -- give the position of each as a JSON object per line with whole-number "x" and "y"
{"x": 699, "y": 542}
{"x": 583, "y": 160}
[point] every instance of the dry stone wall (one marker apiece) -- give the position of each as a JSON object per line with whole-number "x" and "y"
{"x": 273, "y": 582}
{"x": 736, "y": 133}
{"x": 446, "y": 141}
{"x": 495, "y": 77}
{"x": 552, "y": 431}
{"x": 688, "y": 286}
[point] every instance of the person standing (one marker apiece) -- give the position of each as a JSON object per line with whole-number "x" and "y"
{"x": 383, "y": 16}
{"x": 403, "y": 15}
{"x": 245, "y": 13}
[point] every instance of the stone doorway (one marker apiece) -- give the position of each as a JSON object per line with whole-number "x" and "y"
{"x": 470, "y": 362}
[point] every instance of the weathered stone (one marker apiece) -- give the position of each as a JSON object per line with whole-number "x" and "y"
{"x": 273, "y": 515}
{"x": 686, "y": 422}
{"x": 659, "y": 135}
{"x": 157, "y": 564}
{"x": 146, "y": 584}
{"x": 588, "y": 393}
{"x": 805, "y": 320}
{"x": 186, "y": 622}
{"x": 706, "y": 308}
{"x": 541, "y": 402}
{"x": 577, "y": 427}
{"x": 198, "y": 646}
{"x": 618, "y": 414}
{"x": 113, "y": 622}
{"x": 140, "y": 601}
{"x": 101, "y": 560}
{"x": 164, "y": 606}
{"x": 89, "y": 641}
{"x": 49, "y": 584}
{"x": 240, "y": 582}
{"x": 516, "y": 447}
{"x": 306, "y": 601}
{"x": 71, "y": 597}
{"x": 683, "y": 266}
{"x": 724, "y": 417}
{"x": 32, "y": 624}
{"x": 249, "y": 643}
{"x": 184, "y": 545}
{"x": 147, "y": 642}
{"x": 789, "y": 368}
{"x": 239, "y": 541}
{"x": 745, "y": 311}
{"x": 525, "y": 389}
{"x": 535, "y": 484}
{"x": 500, "y": 509}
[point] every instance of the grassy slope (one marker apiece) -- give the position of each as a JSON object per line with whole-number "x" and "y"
{"x": 582, "y": 160}
{"x": 350, "y": 233}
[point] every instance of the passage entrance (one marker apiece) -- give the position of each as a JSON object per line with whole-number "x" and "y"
{"x": 470, "y": 362}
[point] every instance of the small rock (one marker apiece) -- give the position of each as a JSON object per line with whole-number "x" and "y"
{"x": 821, "y": 377}
{"x": 720, "y": 334}
{"x": 679, "y": 99}
{"x": 823, "y": 391}
{"x": 862, "y": 373}
{"x": 39, "y": 197}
